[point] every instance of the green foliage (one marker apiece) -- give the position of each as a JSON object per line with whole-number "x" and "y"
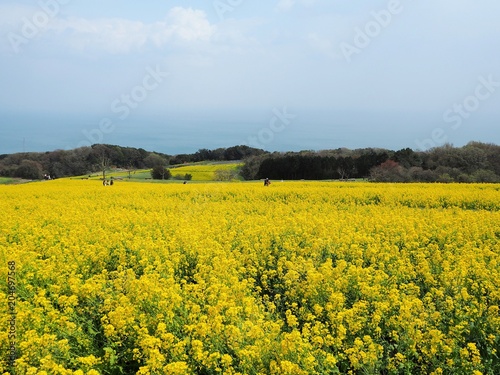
{"x": 483, "y": 175}
{"x": 159, "y": 172}
{"x": 29, "y": 170}
{"x": 250, "y": 169}
{"x": 186, "y": 177}
{"x": 155, "y": 159}
{"x": 389, "y": 171}
{"x": 225, "y": 175}
{"x": 475, "y": 162}
{"x": 6, "y": 181}
{"x": 221, "y": 154}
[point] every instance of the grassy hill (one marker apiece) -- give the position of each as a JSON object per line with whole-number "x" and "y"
{"x": 203, "y": 171}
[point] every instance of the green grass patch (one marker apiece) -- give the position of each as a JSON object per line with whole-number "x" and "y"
{"x": 9, "y": 181}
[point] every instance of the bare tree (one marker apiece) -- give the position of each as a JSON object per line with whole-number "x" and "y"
{"x": 104, "y": 160}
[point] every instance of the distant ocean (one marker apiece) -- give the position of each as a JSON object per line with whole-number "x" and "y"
{"x": 188, "y": 132}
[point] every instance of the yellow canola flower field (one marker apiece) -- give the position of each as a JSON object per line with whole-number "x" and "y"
{"x": 294, "y": 278}
{"x": 204, "y": 172}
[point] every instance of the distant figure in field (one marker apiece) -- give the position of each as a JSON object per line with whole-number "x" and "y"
{"x": 267, "y": 182}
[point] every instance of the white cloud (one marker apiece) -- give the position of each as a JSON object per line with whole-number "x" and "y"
{"x": 117, "y": 35}
{"x": 189, "y": 24}
{"x": 181, "y": 25}
{"x": 110, "y": 35}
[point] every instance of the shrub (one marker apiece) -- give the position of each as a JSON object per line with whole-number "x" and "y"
{"x": 389, "y": 171}
{"x": 483, "y": 175}
{"x": 225, "y": 175}
{"x": 160, "y": 173}
{"x": 186, "y": 177}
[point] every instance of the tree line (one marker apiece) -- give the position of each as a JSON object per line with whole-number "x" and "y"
{"x": 234, "y": 153}
{"x": 474, "y": 162}
{"x": 87, "y": 160}
{"x": 64, "y": 163}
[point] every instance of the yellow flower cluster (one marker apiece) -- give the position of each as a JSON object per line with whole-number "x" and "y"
{"x": 294, "y": 278}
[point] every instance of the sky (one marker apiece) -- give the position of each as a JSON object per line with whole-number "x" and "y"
{"x": 175, "y": 76}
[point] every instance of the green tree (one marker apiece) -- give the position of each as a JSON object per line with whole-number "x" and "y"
{"x": 483, "y": 175}
{"x": 407, "y": 158}
{"x": 159, "y": 172}
{"x": 30, "y": 170}
{"x": 153, "y": 160}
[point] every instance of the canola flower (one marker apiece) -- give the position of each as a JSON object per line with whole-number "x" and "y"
{"x": 295, "y": 278}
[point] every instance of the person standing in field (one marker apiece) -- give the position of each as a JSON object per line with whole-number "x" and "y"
{"x": 267, "y": 182}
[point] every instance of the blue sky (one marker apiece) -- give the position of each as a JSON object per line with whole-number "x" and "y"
{"x": 178, "y": 75}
